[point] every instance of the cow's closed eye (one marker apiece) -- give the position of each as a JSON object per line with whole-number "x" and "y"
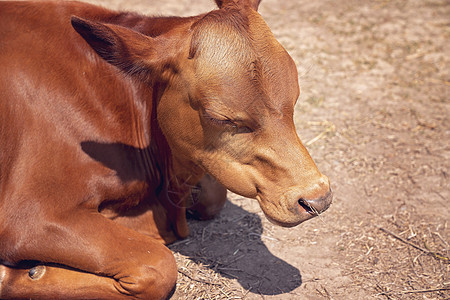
{"x": 227, "y": 123}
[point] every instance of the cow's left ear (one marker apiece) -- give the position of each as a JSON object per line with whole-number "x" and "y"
{"x": 127, "y": 49}
{"x": 252, "y": 3}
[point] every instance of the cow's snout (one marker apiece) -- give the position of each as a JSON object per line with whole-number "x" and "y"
{"x": 298, "y": 203}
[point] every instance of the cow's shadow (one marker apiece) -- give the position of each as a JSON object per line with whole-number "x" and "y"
{"x": 231, "y": 245}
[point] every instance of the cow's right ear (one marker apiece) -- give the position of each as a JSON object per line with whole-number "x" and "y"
{"x": 127, "y": 49}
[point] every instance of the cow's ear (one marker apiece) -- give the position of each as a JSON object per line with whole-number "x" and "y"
{"x": 252, "y": 3}
{"x": 129, "y": 50}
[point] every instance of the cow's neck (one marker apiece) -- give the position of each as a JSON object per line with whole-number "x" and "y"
{"x": 170, "y": 179}
{"x": 170, "y": 183}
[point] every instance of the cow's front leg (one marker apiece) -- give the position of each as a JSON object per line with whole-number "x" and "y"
{"x": 207, "y": 198}
{"x": 51, "y": 282}
{"x": 104, "y": 261}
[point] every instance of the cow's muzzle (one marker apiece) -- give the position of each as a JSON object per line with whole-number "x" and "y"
{"x": 298, "y": 204}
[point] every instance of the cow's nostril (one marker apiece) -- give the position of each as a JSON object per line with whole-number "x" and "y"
{"x": 307, "y": 207}
{"x": 317, "y": 206}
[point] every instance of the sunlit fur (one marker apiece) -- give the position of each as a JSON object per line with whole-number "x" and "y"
{"x": 108, "y": 119}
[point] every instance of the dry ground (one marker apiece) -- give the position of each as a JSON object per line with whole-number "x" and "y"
{"x": 374, "y": 113}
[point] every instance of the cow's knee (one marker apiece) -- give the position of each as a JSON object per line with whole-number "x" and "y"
{"x": 150, "y": 281}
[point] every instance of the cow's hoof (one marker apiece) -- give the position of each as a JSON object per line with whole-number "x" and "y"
{"x": 37, "y": 272}
{"x": 3, "y": 270}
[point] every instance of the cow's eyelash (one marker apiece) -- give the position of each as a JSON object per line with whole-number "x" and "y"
{"x": 226, "y": 122}
{"x": 230, "y": 124}
{"x": 220, "y": 122}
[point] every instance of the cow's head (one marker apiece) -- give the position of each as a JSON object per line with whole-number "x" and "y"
{"x": 228, "y": 104}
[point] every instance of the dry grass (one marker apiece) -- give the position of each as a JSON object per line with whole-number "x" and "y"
{"x": 202, "y": 280}
{"x": 205, "y": 270}
{"x": 404, "y": 258}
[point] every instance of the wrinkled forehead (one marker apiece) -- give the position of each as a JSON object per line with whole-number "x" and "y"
{"x": 237, "y": 58}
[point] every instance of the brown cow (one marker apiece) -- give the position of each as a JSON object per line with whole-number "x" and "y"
{"x": 107, "y": 121}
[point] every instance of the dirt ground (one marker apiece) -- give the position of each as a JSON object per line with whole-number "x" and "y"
{"x": 374, "y": 114}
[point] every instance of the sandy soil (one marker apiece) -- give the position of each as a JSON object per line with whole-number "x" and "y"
{"x": 374, "y": 113}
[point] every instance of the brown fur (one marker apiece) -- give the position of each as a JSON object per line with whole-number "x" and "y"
{"x": 107, "y": 121}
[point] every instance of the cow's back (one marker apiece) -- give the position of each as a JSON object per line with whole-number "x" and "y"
{"x": 56, "y": 94}
{"x": 49, "y": 71}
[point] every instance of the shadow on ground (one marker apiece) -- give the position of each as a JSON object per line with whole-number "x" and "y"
{"x": 231, "y": 245}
